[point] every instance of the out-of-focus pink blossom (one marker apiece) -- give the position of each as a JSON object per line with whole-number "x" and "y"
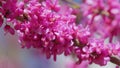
{"x": 104, "y": 14}
{"x": 72, "y": 64}
{"x": 9, "y": 29}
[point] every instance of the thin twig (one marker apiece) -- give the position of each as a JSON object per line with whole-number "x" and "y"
{"x": 115, "y": 60}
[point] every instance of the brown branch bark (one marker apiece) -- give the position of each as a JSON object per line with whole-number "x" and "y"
{"x": 115, "y": 60}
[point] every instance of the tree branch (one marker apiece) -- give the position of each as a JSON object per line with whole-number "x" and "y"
{"x": 115, "y": 60}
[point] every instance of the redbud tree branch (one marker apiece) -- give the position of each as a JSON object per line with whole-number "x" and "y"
{"x": 113, "y": 59}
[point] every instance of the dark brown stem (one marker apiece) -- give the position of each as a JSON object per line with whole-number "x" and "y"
{"x": 115, "y": 60}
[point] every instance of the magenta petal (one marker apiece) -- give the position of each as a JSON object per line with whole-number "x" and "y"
{"x": 1, "y": 20}
{"x": 9, "y": 29}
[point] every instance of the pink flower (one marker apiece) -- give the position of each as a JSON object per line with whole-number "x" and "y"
{"x": 104, "y": 14}
{"x": 51, "y": 28}
{"x": 9, "y": 29}
{"x": 47, "y": 28}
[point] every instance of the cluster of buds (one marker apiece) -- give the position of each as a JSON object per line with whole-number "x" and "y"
{"x": 51, "y": 27}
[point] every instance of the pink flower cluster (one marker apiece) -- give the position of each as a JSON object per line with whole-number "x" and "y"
{"x": 51, "y": 27}
{"x": 102, "y": 13}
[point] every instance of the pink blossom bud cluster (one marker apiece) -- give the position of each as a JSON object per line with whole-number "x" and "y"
{"x": 102, "y": 13}
{"x": 51, "y": 27}
{"x": 7, "y": 10}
